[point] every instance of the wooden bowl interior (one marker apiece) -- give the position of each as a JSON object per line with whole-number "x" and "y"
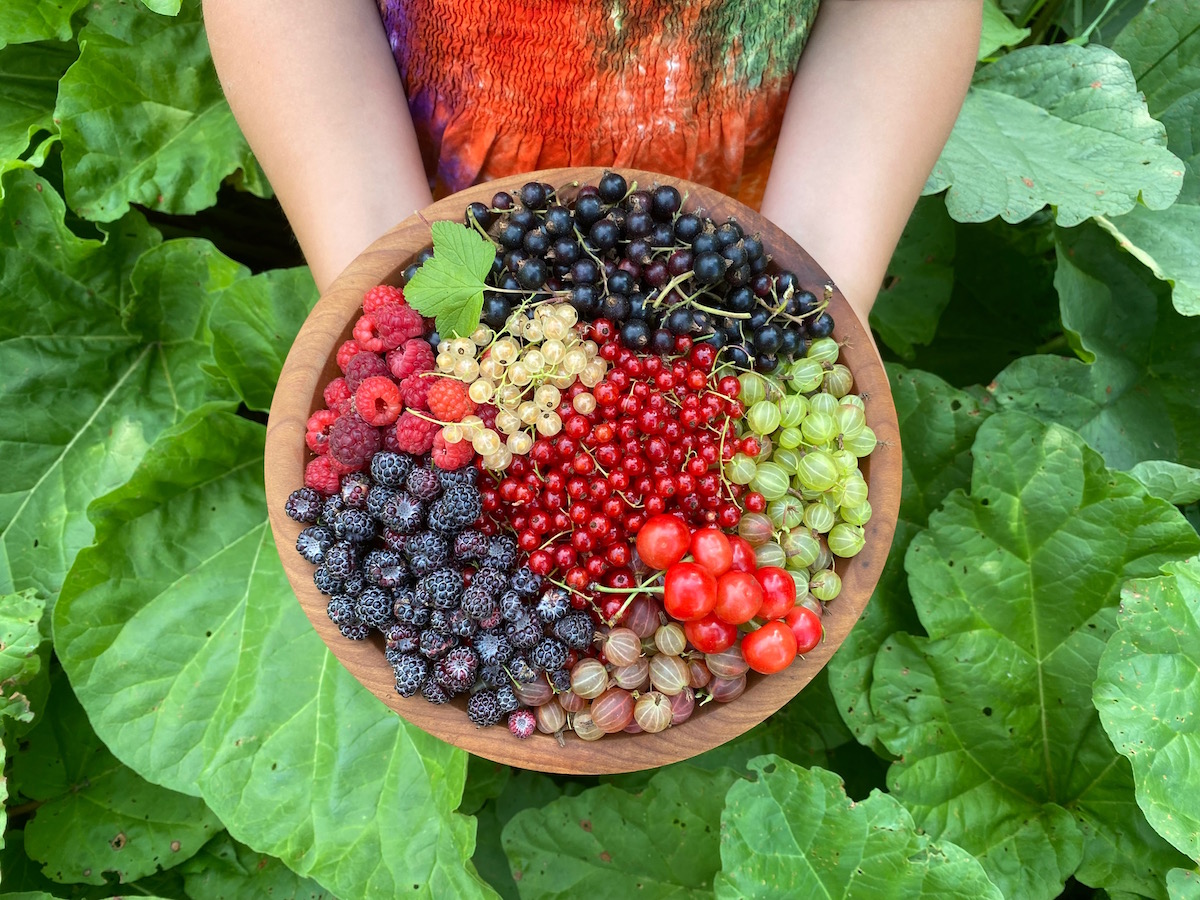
{"x": 311, "y": 365}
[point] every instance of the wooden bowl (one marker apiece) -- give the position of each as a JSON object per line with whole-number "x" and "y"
{"x": 311, "y": 365}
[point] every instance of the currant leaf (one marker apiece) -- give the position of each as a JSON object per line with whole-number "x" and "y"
{"x": 450, "y": 285}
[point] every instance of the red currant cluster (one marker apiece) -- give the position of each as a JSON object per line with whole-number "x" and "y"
{"x": 653, "y": 442}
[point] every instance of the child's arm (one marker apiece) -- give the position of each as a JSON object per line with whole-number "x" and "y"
{"x": 316, "y": 92}
{"x": 875, "y": 97}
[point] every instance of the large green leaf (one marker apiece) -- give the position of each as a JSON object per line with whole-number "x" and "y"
{"x": 920, "y": 278}
{"x": 143, "y": 118}
{"x": 1174, "y": 483}
{"x": 29, "y": 76}
{"x": 1136, "y": 399}
{"x": 661, "y": 843}
{"x": 937, "y": 427}
{"x": 793, "y": 832}
{"x": 232, "y": 871}
{"x": 1162, "y": 45}
{"x": 23, "y": 876}
{"x": 998, "y": 30}
{"x": 1000, "y": 749}
{"x": 254, "y": 323}
{"x": 1062, "y": 125}
{"x": 90, "y": 373}
{"x": 199, "y": 669}
{"x": 98, "y": 816}
{"x": 1184, "y": 884}
{"x": 1148, "y": 696}
{"x": 25, "y": 21}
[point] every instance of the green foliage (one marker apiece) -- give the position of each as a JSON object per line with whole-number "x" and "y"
{"x": 185, "y": 698}
{"x": 267, "y": 726}
{"x": 97, "y": 816}
{"x": 1163, "y": 47}
{"x": 1016, "y": 585}
{"x": 450, "y": 285}
{"x": 661, "y": 843}
{"x": 1046, "y": 125}
{"x": 136, "y": 131}
{"x": 1148, "y": 696}
{"x": 1134, "y": 396}
{"x": 793, "y": 832}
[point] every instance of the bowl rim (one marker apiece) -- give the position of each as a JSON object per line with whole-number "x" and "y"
{"x": 298, "y": 392}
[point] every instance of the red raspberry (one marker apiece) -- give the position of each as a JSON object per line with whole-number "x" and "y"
{"x": 415, "y": 356}
{"x": 366, "y": 334}
{"x": 363, "y": 367}
{"x": 317, "y": 431}
{"x": 397, "y": 323}
{"x": 414, "y": 434}
{"x": 415, "y": 391}
{"x": 451, "y": 456}
{"x": 448, "y": 400}
{"x": 353, "y": 441}
{"x": 319, "y": 475}
{"x": 379, "y": 295}
{"x": 378, "y": 400}
{"x": 336, "y": 391}
{"x": 347, "y": 352}
{"x": 344, "y": 407}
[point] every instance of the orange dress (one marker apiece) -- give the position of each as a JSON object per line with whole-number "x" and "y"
{"x": 691, "y": 88}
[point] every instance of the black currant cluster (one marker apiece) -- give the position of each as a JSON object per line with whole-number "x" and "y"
{"x": 656, "y": 273}
{"x": 396, "y": 552}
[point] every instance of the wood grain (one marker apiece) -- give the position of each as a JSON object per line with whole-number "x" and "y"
{"x": 310, "y": 365}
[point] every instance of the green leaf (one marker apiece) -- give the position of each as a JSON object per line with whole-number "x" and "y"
{"x": 98, "y": 816}
{"x": 793, "y": 832}
{"x": 1062, "y": 125}
{"x": 1148, "y": 696}
{"x": 136, "y": 130}
{"x": 486, "y": 781}
{"x": 254, "y": 322}
{"x": 1172, "y": 482}
{"x": 90, "y": 372}
{"x": 1138, "y": 399}
{"x": 29, "y": 76}
{"x": 240, "y": 702}
{"x": 998, "y": 30}
{"x": 1183, "y": 884}
{"x": 232, "y": 871}
{"x": 24, "y": 877}
{"x": 919, "y": 280}
{"x": 450, "y": 285}
{"x": 165, "y": 7}
{"x": 991, "y": 716}
{"x": 20, "y": 662}
{"x": 937, "y": 427}
{"x": 25, "y": 21}
{"x": 1162, "y": 45}
{"x": 661, "y": 843}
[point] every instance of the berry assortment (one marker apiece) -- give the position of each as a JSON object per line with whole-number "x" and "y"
{"x": 615, "y": 496}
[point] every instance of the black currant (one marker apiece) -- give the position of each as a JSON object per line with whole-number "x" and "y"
{"x": 584, "y": 298}
{"x": 532, "y": 273}
{"x": 637, "y": 305}
{"x": 638, "y": 223}
{"x": 821, "y": 326}
{"x": 741, "y": 300}
{"x": 536, "y": 242}
{"x": 621, "y": 282}
{"x": 638, "y": 201}
{"x": 705, "y": 242}
{"x": 502, "y": 200}
{"x": 758, "y": 318}
{"x": 664, "y": 202}
{"x": 511, "y": 236}
{"x": 806, "y": 302}
{"x": 496, "y": 310}
{"x": 662, "y": 341}
{"x": 566, "y": 250}
{"x": 615, "y": 307}
{"x": 662, "y": 235}
{"x": 768, "y": 339}
{"x": 679, "y": 321}
{"x": 708, "y": 267}
{"x": 656, "y": 274}
{"x": 558, "y": 221}
{"x": 604, "y": 234}
{"x": 612, "y": 187}
{"x": 766, "y": 363}
{"x": 728, "y": 233}
{"x": 635, "y": 334}
{"x": 480, "y": 214}
{"x": 679, "y": 262}
{"x": 738, "y": 356}
{"x": 533, "y": 195}
{"x": 588, "y": 209}
{"x": 688, "y": 226}
{"x": 640, "y": 251}
{"x": 585, "y": 271}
